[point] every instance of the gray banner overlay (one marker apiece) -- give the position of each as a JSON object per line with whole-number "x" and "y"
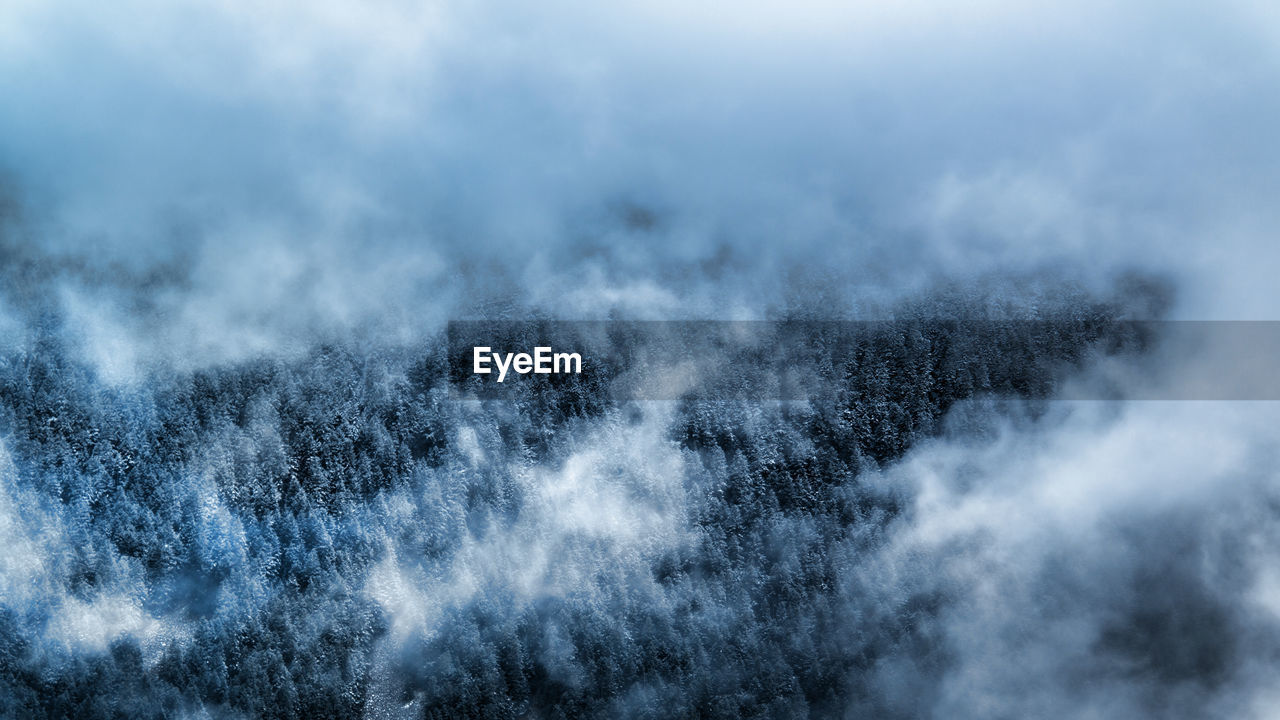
{"x": 1067, "y": 358}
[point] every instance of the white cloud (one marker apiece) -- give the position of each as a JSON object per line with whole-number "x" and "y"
{"x": 1042, "y": 536}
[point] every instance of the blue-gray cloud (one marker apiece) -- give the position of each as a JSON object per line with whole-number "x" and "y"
{"x": 233, "y": 476}
{"x": 896, "y": 143}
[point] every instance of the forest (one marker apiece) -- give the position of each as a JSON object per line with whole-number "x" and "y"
{"x": 357, "y": 532}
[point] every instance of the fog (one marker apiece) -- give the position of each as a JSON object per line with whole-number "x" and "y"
{"x": 235, "y": 480}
